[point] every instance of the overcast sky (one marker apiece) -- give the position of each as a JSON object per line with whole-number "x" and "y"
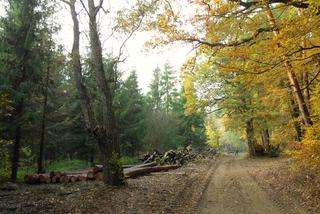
{"x": 137, "y": 57}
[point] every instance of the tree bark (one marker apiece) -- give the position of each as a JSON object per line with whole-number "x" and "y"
{"x": 106, "y": 135}
{"x": 291, "y": 75}
{"x": 250, "y": 137}
{"x": 17, "y": 142}
{"x": 43, "y": 123}
{"x": 295, "y": 117}
{"x": 17, "y": 136}
{"x": 77, "y": 72}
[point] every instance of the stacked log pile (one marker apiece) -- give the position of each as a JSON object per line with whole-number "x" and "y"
{"x": 155, "y": 162}
{"x": 132, "y": 171}
{"x": 54, "y": 177}
{"x": 96, "y": 174}
{"x": 180, "y": 156}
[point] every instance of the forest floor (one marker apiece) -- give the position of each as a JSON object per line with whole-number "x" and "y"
{"x": 225, "y": 184}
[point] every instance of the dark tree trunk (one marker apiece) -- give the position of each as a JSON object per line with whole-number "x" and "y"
{"x": 43, "y": 123}
{"x": 295, "y": 117}
{"x": 17, "y": 141}
{"x": 92, "y": 156}
{"x": 77, "y": 72}
{"x": 265, "y": 136}
{"x": 106, "y": 135}
{"x": 306, "y": 90}
{"x": 18, "y": 114}
{"x": 250, "y": 137}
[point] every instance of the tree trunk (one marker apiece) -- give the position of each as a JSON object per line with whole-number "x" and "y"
{"x": 306, "y": 90}
{"x": 265, "y": 136}
{"x": 77, "y": 72}
{"x": 291, "y": 75}
{"x": 106, "y": 135}
{"x": 17, "y": 136}
{"x": 17, "y": 141}
{"x": 250, "y": 137}
{"x": 295, "y": 117}
{"x": 43, "y": 123}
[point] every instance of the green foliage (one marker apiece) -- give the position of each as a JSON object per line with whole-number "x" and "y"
{"x": 154, "y": 96}
{"x": 167, "y": 124}
{"x": 60, "y": 165}
{"x": 115, "y": 166}
{"x": 127, "y": 160}
{"x": 168, "y": 91}
{"x": 233, "y": 141}
{"x": 130, "y": 108}
{"x": 162, "y": 131}
{"x": 5, "y": 163}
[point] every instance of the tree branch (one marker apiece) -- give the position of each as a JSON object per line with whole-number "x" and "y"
{"x": 231, "y": 44}
{"x": 298, "y": 4}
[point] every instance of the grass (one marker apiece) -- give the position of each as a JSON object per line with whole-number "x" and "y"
{"x": 62, "y": 165}
{"x": 125, "y": 160}
{"x": 69, "y": 165}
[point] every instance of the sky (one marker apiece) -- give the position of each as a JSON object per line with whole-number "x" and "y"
{"x": 137, "y": 57}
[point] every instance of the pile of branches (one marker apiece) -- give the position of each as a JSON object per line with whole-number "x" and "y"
{"x": 180, "y": 156}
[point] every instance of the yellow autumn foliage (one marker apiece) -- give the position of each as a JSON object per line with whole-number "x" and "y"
{"x": 307, "y": 153}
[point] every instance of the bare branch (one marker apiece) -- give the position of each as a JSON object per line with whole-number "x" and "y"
{"x": 311, "y": 81}
{"x": 84, "y": 6}
{"x": 231, "y": 44}
{"x": 298, "y": 4}
{"x": 98, "y": 7}
{"x": 134, "y": 29}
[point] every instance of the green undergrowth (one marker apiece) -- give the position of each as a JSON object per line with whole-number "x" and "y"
{"x": 125, "y": 160}
{"x": 61, "y": 165}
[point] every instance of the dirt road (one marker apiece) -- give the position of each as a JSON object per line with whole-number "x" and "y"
{"x": 233, "y": 190}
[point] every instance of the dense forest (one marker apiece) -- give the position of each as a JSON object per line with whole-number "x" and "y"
{"x": 250, "y": 82}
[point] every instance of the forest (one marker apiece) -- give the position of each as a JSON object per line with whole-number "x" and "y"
{"x": 248, "y": 87}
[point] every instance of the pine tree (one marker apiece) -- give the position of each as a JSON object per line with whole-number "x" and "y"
{"x": 168, "y": 90}
{"x": 130, "y": 115}
{"x": 20, "y": 63}
{"x": 154, "y": 96}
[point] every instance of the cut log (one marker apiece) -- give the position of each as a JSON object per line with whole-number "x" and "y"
{"x": 135, "y": 172}
{"x": 31, "y": 179}
{"x": 43, "y": 179}
{"x": 65, "y": 179}
{"x": 90, "y": 175}
{"x": 82, "y": 178}
{"x": 127, "y": 166}
{"x": 98, "y": 176}
{"x": 145, "y": 165}
{"x": 97, "y": 168}
{"x": 73, "y": 179}
{"x": 55, "y": 179}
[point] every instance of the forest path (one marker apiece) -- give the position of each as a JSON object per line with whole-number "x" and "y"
{"x": 233, "y": 190}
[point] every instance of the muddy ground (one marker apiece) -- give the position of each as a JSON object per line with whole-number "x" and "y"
{"x": 225, "y": 184}
{"x": 165, "y": 192}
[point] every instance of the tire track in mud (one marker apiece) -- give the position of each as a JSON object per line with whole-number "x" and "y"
{"x": 188, "y": 200}
{"x": 233, "y": 190}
